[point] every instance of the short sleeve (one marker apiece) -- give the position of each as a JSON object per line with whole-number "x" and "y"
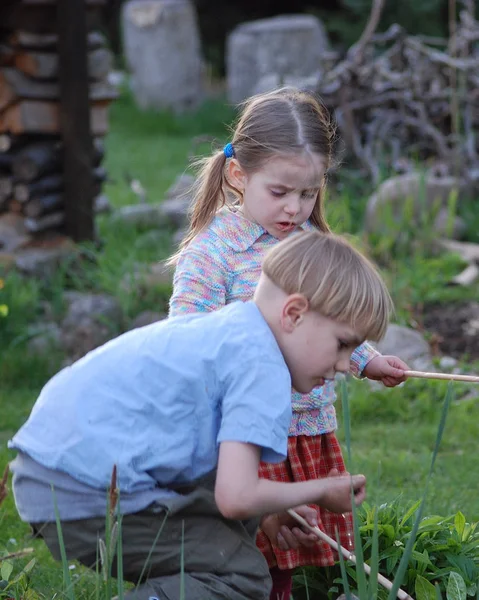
{"x": 360, "y": 358}
{"x": 256, "y": 408}
{"x": 199, "y": 282}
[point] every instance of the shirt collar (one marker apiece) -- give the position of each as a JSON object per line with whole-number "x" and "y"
{"x": 239, "y": 233}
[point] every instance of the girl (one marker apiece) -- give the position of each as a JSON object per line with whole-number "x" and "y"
{"x": 266, "y": 184}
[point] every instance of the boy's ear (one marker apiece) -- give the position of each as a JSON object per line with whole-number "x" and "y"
{"x": 294, "y": 308}
{"x": 235, "y": 175}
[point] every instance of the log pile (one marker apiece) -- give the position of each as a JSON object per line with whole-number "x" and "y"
{"x": 31, "y": 142}
{"x": 398, "y": 98}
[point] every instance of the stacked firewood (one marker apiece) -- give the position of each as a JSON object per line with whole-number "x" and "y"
{"x": 31, "y": 145}
{"x": 398, "y": 98}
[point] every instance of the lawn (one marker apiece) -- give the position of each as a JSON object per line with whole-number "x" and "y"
{"x": 393, "y": 431}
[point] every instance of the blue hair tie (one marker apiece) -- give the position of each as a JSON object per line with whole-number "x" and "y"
{"x": 229, "y": 150}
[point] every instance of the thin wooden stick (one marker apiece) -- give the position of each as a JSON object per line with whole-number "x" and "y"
{"x": 447, "y": 376}
{"x": 401, "y": 594}
{"x": 18, "y": 554}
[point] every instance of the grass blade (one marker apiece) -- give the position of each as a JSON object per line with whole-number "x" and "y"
{"x": 344, "y": 574}
{"x": 67, "y": 582}
{"x": 358, "y": 551}
{"x": 346, "y": 418}
{"x": 373, "y": 577}
{"x": 119, "y": 551}
{"x": 155, "y": 541}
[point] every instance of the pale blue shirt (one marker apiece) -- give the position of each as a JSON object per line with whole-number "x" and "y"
{"x": 157, "y": 401}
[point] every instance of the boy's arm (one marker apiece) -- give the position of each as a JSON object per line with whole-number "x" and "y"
{"x": 241, "y": 494}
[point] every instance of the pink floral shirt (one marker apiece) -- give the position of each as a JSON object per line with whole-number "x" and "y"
{"x": 222, "y": 265}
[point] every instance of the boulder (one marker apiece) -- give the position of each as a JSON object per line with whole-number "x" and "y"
{"x": 162, "y": 48}
{"x": 282, "y": 46}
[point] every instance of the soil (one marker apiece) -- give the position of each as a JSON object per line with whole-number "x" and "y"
{"x": 456, "y": 327}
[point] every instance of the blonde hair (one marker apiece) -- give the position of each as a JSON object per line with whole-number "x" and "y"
{"x": 337, "y": 280}
{"x": 286, "y": 121}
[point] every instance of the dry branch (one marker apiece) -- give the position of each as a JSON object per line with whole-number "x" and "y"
{"x": 392, "y": 95}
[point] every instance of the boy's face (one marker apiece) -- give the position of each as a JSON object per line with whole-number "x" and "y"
{"x": 315, "y": 347}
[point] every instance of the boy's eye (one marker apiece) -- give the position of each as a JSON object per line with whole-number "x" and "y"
{"x": 342, "y": 345}
{"x": 309, "y": 194}
{"x": 277, "y": 193}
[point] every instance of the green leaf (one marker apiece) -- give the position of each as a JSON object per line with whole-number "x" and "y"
{"x": 388, "y": 531}
{"x": 460, "y": 523}
{"x": 456, "y": 587}
{"x": 472, "y": 589}
{"x": 410, "y": 513}
{"x": 29, "y": 566}
{"x": 430, "y": 522}
{"x": 6, "y": 570}
{"x": 391, "y": 563}
{"x": 424, "y": 589}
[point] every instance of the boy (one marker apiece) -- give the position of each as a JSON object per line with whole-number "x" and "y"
{"x": 185, "y": 409}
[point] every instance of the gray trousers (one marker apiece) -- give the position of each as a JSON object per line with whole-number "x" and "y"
{"x": 221, "y": 560}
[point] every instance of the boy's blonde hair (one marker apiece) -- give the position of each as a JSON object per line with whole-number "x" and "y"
{"x": 337, "y": 280}
{"x": 284, "y": 122}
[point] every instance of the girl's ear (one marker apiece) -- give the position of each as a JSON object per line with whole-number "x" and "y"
{"x": 235, "y": 175}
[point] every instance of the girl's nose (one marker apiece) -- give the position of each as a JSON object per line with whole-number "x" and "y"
{"x": 292, "y": 207}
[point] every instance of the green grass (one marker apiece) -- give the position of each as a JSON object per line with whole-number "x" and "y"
{"x": 393, "y": 435}
{"x": 393, "y": 431}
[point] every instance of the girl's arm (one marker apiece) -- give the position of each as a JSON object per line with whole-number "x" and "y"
{"x": 368, "y": 362}
{"x": 199, "y": 282}
{"x": 361, "y": 356}
{"x": 241, "y": 494}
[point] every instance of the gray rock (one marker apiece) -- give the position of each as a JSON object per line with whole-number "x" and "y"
{"x": 285, "y": 46}
{"x": 43, "y": 262}
{"x": 182, "y": 186}
{"x": 163, "y": 51}
{"x": 13, "y": 234}
{"x": 451, "y": 228}
{"x": 45, "y": 337}
{"x": 90, "y": 321}
{"x": 447, "y": 362}
{"x": 386, "y": 207}
{"x": 147, "y": 317}
{"x": 147, "y": 277}
{"x": 175, "y": 211}
{"x": 141, "y": 215}
{"x": 407, "y": 344}
{"x": 273, "y": 81}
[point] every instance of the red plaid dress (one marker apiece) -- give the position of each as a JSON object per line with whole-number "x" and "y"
{"x": 309, "y": 457}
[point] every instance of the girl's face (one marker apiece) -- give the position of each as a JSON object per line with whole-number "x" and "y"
{"x": 281, "y": 195}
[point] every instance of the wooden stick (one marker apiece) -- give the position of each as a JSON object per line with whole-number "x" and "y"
{"x": 446, "y": 376}
{"x": 19, "y": 554}
{"x": 401, "y": 594}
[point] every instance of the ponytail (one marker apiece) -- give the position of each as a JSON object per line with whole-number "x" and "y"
{"x": 208, "y": 198}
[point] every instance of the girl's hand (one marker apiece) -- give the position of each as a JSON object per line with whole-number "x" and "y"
{"x": 387, "y": 369}
{"x": 285, "y": 533}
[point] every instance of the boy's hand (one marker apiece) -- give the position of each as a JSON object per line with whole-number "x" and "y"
{"x": 285, "y": 533}
{"x": 335, "y": 495}
{"x": 387, "y": 369}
